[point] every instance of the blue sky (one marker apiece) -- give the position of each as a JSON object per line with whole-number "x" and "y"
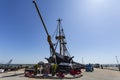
{"x": 92, "y": 29}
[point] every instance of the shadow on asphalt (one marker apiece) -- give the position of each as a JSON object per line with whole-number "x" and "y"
{"x": 42, "y": 77}
{"x": 53, "y": 77}
{"x": 12, "y": 75}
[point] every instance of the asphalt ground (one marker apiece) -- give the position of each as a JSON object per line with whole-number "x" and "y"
{"x": 97, "y": 74}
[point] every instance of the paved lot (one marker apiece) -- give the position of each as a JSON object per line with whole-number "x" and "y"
{"x": 101, "y": 74}
{"x": 98, "y": 74}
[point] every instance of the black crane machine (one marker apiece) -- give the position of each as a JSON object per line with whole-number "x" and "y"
{"x": 62, "y": 59}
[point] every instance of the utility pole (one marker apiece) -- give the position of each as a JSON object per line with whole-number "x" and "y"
{"x": 82, "y": 61}
{"x": 118, "y": 63}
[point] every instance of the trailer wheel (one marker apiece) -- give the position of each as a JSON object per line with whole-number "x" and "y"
{"x": 60, "y": 75}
